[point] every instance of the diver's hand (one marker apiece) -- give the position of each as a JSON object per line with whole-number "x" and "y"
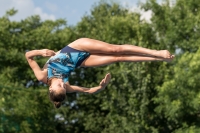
{"x": 47, "y": 53}
{"x": 105, "y": 81}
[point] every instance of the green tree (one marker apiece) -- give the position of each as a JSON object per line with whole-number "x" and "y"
{"x": 126, "y": 105}
{"x": 25, "y": 106}
{"x": 179, "y": 98}
{"x": 142, "y": 97}
{"x": 177, "y": 26}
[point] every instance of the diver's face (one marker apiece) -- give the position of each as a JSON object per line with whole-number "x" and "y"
{"x": 57, "y": 86}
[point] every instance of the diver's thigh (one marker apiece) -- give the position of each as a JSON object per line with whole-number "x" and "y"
{"x": 94, "y": 46}
{"x": 99, "y": 60}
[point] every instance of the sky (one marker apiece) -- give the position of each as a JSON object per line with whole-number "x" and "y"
{"x": 70, "y": 10}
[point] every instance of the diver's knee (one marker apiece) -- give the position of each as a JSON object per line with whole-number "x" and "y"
{"x": 119, "y": 58}
{"x": 117, "y": 49}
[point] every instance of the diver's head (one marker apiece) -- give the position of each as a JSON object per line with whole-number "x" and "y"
{"x": 57, "y": 91}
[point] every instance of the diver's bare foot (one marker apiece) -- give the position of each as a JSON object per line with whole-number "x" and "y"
{"x": 163, "y": 54}
{"x": 169, "y": 59}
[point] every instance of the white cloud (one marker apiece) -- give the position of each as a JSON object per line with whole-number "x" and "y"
{"x": 44, "y": 16}
{"x": 146, "y": 15}
{"x": 52, "y": 7}
{"x": 5, "y": 5}
{"x": 25, "y": 9}
{"x": 134, "y": 7}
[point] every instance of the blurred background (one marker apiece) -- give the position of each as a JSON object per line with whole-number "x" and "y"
{"x": 143, "y": 97}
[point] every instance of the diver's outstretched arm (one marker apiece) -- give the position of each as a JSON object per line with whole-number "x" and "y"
{"x": 92, "y": 90}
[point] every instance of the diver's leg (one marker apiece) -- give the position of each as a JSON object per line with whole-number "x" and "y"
{"x": 101, "y": 60}
{"x": 98, "y": 47}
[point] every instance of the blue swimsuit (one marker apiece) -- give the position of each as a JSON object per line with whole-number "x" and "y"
{"x": 62, "y": 64}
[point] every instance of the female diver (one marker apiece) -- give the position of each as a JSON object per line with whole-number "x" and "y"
{"x": 85, "y": 52}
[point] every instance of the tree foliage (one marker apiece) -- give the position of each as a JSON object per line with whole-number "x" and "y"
{"x": 142, "y": 97}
